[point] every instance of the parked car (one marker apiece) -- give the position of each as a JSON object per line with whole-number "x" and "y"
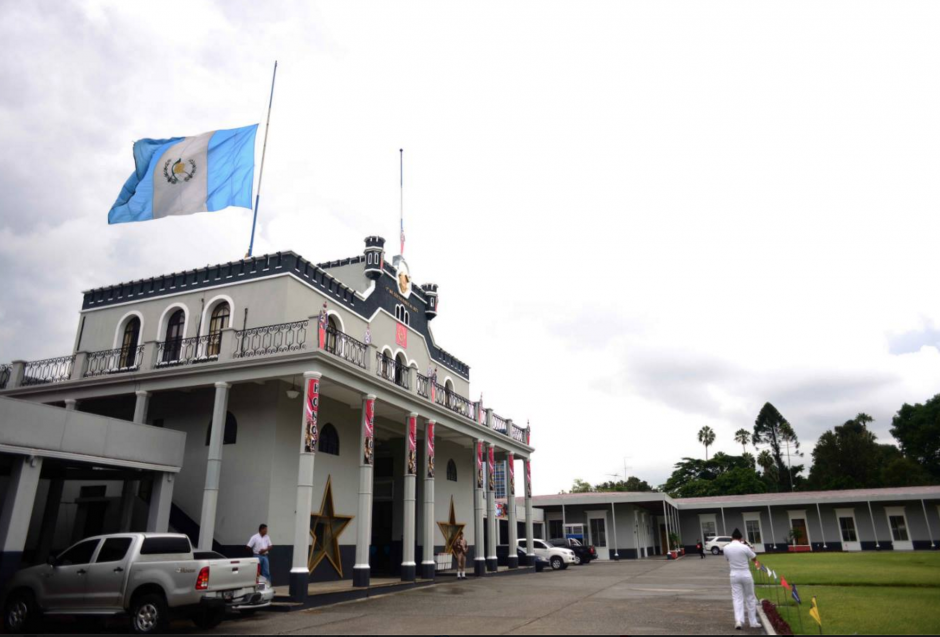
{"x": 582, "y": 554}
{"x": 559, "y": 558}
{"x": 717, "y": 544}
{"x": 264, "y": 586}
{"x": 541, "y": 561}
{"x": 152, "y": 577}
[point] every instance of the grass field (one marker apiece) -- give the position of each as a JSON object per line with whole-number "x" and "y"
{"x": 864, "y": 593}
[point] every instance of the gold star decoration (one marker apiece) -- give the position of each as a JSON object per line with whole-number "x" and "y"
{"x": 451, "y": 529}
{"x": 325, "y": 529}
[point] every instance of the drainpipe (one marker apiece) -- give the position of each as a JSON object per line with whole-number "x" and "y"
{"x": 933, "y": 542}
{"x": 821, "y": 528}
{"x": 873, "y": 528}
{"x": 773, "y": 537}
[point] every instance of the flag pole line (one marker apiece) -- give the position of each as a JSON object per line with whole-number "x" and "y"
{"x": 264, "y": 148}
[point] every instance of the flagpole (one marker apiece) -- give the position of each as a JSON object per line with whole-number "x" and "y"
{"x": 264, "y": 148}
{"x": 401, "y": 196}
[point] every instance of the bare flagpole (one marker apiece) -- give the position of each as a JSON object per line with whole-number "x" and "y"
{"x": 401, "y": 196}
{"x": 267, "y": 124}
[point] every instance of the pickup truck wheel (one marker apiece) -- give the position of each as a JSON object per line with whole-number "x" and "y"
{"x": 20, "y": 613}
{"x": 577, "y": 559}
{"x": 209, "y": 618}
{"x": 149, "y": 614}
{"x": 557, "y": 564}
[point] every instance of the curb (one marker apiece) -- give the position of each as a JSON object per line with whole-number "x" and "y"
{"x": 768, "y": 629}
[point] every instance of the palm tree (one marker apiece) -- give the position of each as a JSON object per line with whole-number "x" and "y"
{"x": 742, "y": 437}
{"x": 706, "y": 436}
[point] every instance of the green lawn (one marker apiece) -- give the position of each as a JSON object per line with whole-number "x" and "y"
{"x": 864, "y": 593}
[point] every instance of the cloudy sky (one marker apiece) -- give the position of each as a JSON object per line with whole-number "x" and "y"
{"x": 644, "y": 218}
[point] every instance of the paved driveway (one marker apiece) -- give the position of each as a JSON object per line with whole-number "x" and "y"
{"x": 690, "y": 596}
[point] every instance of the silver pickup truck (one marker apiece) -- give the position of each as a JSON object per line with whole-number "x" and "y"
{"x": 151, "y": 577}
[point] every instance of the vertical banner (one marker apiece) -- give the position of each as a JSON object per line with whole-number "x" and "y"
{"x": 368, "y": 452}
{"x": 311, "y": 411}
{"x": 479, "y": 464}
{"x": 322, "y": 322}
{"x": 528, "y": 478}
{"x": 412, "y": 468}
{"x": 491, "y": 469}
{"x": 401, "y": 335}
{"x": 510, "y": 476}
{"x": 430, "y": 451}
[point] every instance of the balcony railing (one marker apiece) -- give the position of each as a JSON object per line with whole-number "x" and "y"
{"x": 187, "y": 351}
{"x": 519, "y": 434}
{"x": 392, "y": 370}
{"x": 114, "y": 361}
{"x": 5, "y": 372}
{"x": 453, "y": 401}
{"x": 49, "y": 370}
{"x": 423, "y": 385}
{"x": 346, "y": 347}
{"x": 271, "y": 339}
{"x": 500, "y": 424}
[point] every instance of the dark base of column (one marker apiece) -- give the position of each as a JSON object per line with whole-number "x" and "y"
{"x": 428, "y": 571}
{"x": 479, "y": 568}
{"x": 513, "y": 561}
{"x": 615, "y": 557}
{"x": 361, "y": 577}
{"x": 298, "y": 586}
{"x": 408, "y": 572}
{"x": 492, "y": 565}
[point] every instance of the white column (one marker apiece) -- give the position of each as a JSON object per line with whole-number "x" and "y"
{"x": 309, "y": 435}
{"x": 17, "y": 511}
{"x": 613, "y": 517}
{"x": 427, "y": 535}
{"x": 141, "y": 406}
{"x": 50, "y": 519}
{"x": 668, "y": 546}
{"x": 161, "y": 499}
{"x": 933, "y": 542}
{"x": 408, "y": 566}
{"x": 724, "y": 529}
{"x": 513, "y": 560}
{"x": 821, "y": 527}
{"x": 479, "y": 550}
{"x": 491, "y": 524}
{"x": 210, "y": 496}
{"x": 874, "y": 529}
{"x": 128, "y": 495}
{"x": 361, "y": 570}
{"x": 70, "y": 404}
{"x": 529, "y": 525}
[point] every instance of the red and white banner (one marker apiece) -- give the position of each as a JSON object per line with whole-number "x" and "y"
{"x": 322, "y": 323}
{"x": 412, "y": 468}
{"x": 480, "y": 465}
{"x": 430, "y": 451}
{"x": 528, "y": 479}
{"x": 311, "y": 411}
{"x": 491, "y": 469}
{"x": 401, "y": 335}
{"x": 368, "y": 452}
{"x": 510, "y": 476}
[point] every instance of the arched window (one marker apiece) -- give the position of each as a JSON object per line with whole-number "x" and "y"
{"x": 174, "y": 336}
{"x": 401, "y": 369}
{"x": 218, "y": 322}
{"x": 449, "y": 393}
{"x": 451, "y": 471}
{"x": 329, "y": 440}
{"x": 231, "y": 430}
{"x": 129, "y": 343}
{"x": 332, "y": 333}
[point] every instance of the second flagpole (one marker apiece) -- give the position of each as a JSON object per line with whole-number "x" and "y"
{"x": 264, "y": 148}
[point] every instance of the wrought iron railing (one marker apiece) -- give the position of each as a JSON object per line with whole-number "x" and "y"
{"x": 271, "y": 339}
{"x": 518, "y": 434}
{"x": 49, "y": 370}
{"x": 500, "y": 424}
{"x": 187, "y": 351}
{"x": 114, "y": 361}
{"x": 346, "y": 347}
{"x": 453, "y": 401}
{"x": 423, "y": 385}
{"x": 392, "y": 370}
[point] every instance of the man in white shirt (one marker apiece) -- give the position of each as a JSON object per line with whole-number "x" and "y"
{"x": 739, "y": 556}
{"x": 260, "y": 545}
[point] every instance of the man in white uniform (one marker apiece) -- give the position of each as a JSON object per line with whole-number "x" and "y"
{"x": 739, "y": 555}
{"x": 260, "y": 545}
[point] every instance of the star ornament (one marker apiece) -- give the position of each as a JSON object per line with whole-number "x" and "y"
{"x": 325, "y": 529}
{"x": 451, "y": 529}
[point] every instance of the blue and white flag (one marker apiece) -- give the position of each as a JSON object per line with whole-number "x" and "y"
{"x": 185, "y": 175}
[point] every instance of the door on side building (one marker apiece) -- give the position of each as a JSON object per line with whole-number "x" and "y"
{"x": 799, "y": 527}
{"x": 897, "y": 522}
{"x": 848, "y": 530}
{"x": 597, "y": 533}
{"x": 754, "y": 533}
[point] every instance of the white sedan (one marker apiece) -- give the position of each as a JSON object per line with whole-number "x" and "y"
{"x": 559, "y": 558}
{"x": 717, "y": 544}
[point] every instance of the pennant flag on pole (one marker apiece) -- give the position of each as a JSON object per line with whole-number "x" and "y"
{"x": 814, "y": 613}
{"x": 757, "y": 564}
{"x": 185, "y": 175}
{"x": 795, "y": 594}
{"x": 783, "y": 582}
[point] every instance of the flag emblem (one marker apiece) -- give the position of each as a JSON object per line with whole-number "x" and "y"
{"x": 180, "y": 171}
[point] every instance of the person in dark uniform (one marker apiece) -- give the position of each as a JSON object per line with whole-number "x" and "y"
{"x": 700, "y": 547}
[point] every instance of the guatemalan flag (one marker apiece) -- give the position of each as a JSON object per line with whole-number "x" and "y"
{"x": 184, "y": 175}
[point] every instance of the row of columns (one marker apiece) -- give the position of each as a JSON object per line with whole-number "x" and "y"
{"x": 484, "y": 459}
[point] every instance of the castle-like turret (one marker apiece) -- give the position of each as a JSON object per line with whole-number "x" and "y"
{"x": 430, "y": 291}
{"x": 375, "y": 257}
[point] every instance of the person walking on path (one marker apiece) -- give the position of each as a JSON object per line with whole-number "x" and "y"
{"x": 460, "y": 552}
{"x": 742, "y": 584}
{"x": 260, "y": 545}
{"x": 700, "y": 547}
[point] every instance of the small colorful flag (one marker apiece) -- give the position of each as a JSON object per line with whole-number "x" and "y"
{"x": 795, "y": 594}
{"x": 757, "y": 564}
{"x": 783, "y": 582}
{"x": 814, "y": 612}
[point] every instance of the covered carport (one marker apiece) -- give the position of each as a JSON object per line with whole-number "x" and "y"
{"x": 47, "y": 443}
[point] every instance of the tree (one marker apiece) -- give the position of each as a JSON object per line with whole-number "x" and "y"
{"x": 706, "y": 436}
{"x": 848, "y": 457}
{"x": 742, "y": 437}
{"x": 722, "y": 475}
{"x": 772, "y": 429}
{"x": 580, "y": 486}
{"x": 917, "y": 430}
{"x": 632, "y": 485}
